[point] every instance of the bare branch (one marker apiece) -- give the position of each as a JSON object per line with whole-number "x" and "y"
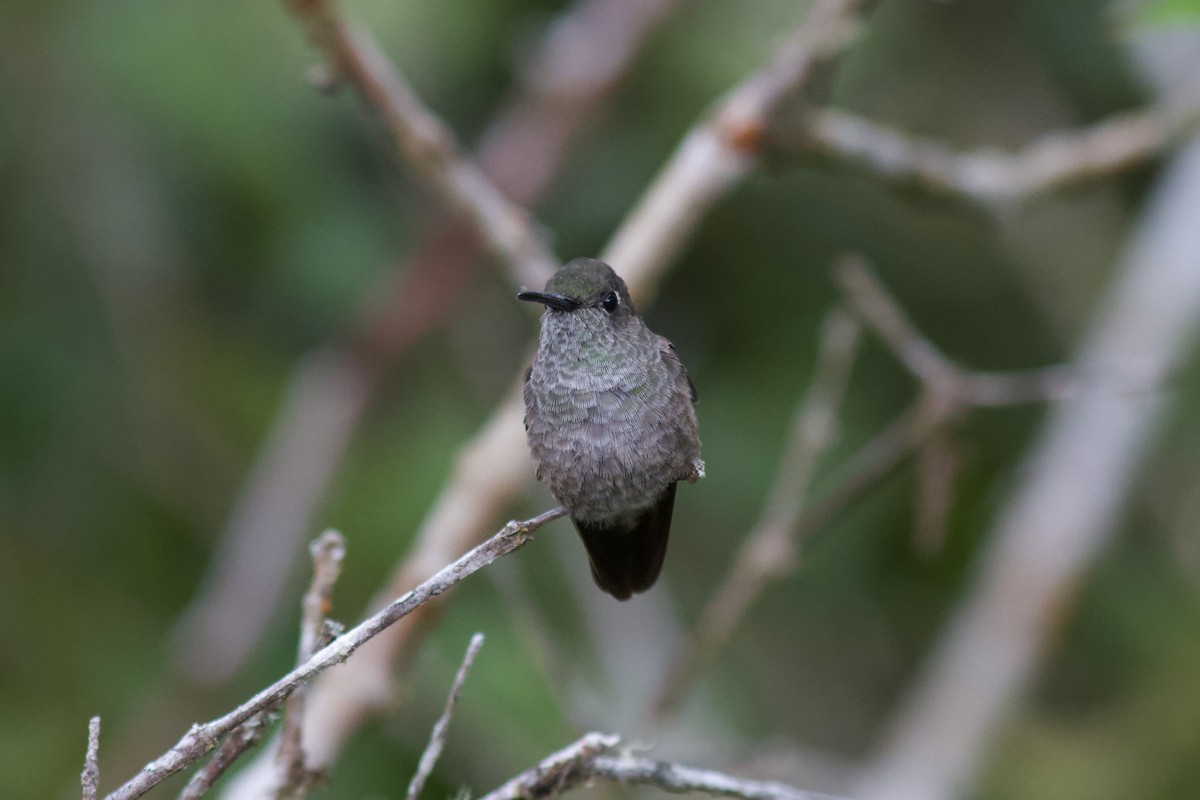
{"x": 938, "y": 466}
{"x": 328, "y": 550}
{"x": 1062, "y": 513}
{"x": 875, "y": 304}
{"x": 90, "y": 777}
{"x": 719, "y": 153}
{"x": 943, "y": 380}
{"x": 1055, "y": 161}
{"x": 948, "y": 391}
{"x": 202, "y": 738}
{"x": 423, "y": 140}
{"x": 871, "y": 463}
{"x": 437, "y": 738}
{"x": 245, "y": 736}
{"x": 587, "y": 759}
{"x": 769, "y": 551}
{"x": 1020, "y": 387}
{"x": 679, "y": 779}
{"x": 557, "y": 772}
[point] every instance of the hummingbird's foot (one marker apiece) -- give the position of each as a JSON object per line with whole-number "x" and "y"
{"x": 697, "y": 471}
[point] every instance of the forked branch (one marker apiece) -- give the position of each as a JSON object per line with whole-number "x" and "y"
{"x": 590, "y": 758}
{"x": 203, "y": 738}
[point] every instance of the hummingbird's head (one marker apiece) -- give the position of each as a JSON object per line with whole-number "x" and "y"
{"x": 584, "y": 284}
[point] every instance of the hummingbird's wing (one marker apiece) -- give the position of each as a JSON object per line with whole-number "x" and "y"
{"x": 671, "y": 358}
{"x": 628, "y": 558}
{"x": 527, "y": 395}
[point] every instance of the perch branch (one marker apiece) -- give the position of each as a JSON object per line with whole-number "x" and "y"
{"x": 423, "y": 140}
{"x": 770, "y": 550}
{"x": 203, "y": 738}
{"x": 1050, "y": 163}
{"x": 89, "y": 779}
{"x": 437, "y": 737}
{"x": 587, "y": 760}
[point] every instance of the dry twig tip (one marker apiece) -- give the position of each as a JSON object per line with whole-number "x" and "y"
{"x": 90, "y": 778}
{"x": 437, "y": 737}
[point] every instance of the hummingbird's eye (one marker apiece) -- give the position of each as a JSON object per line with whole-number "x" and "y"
{"x": 610, "y": 302}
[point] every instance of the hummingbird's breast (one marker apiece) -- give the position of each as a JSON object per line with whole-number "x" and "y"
{"x": 609, "y": 420}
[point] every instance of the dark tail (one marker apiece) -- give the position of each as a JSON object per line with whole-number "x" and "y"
{"x": 627, "y": 559}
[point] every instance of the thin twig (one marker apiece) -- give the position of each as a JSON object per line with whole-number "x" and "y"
{"x": 769, "y": 549}
{"x": 423, "y": 140}
{"x": 90, "y": 777}
{"x": 871, "y": 299}
{"x": 587, "y": 759}
{"x": 202, "y": 738}
{"x": 945, "y": 381}
{"x": 1050, "y": 163}
{"x": 437, "y": 737}
{"x": 948, "y": 392}
{"x": 245, "y": 736}
{"x": 679, "y": 779}
{"x": 534, "y": 632}
{"x": 328, "y": 551}
{"x": 877, "y": 458}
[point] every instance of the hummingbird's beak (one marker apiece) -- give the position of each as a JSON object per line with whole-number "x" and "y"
{"x": 558, "y": 302}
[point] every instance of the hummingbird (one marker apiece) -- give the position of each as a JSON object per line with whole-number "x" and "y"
{"x": 610, "y": 423}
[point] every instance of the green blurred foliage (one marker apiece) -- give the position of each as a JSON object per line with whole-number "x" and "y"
{"x": 182, "y": 219}
{"x": 1169, "y": 13}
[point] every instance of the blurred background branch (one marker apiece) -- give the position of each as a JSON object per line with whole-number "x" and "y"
{"x": 587, "y": 760}
{"x": 423, "y": 140}
{"x": 1052, "y": 162}
{"x": 771, "y": 551}
{"x": 1062, "y": 513}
